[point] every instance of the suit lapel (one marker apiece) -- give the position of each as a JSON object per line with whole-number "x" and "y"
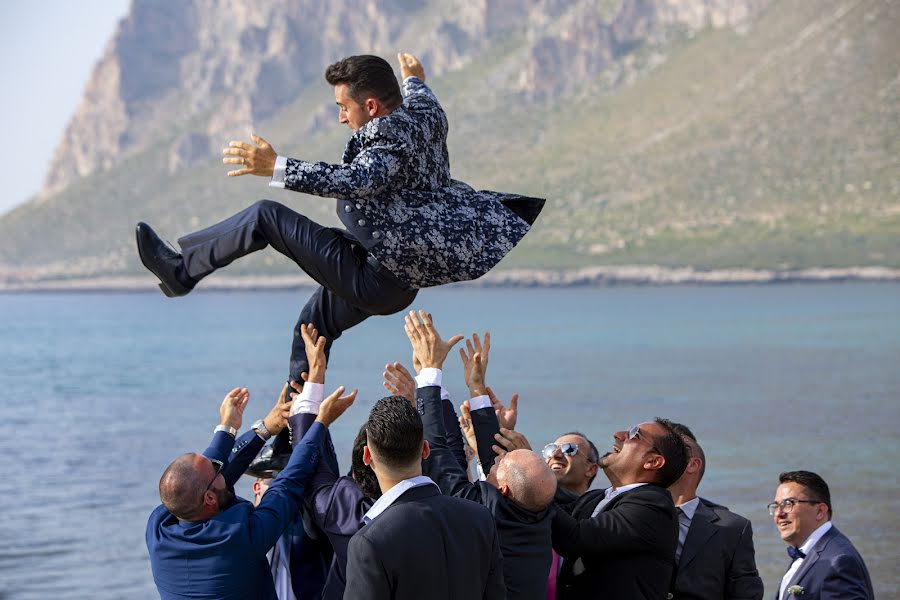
{"x": 702, "y": 528}
{"x": 811, "y": 558}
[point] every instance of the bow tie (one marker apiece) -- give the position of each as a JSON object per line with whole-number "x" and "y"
{"x": 795, "y": 553}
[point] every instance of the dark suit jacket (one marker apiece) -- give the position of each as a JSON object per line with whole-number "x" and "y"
{"x": 225, "y": 556}
{"x": 832, "y": 570}
{"x": 426, "y": 545}
{"x": 626, "y": 551}
{"x": 717, "y": 561}
{"x": 524, "y": 535}
{"x": 335, "y": 505}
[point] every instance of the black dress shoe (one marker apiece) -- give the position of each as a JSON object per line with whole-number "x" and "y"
{"x": 164, "y": 261}
{"x": 268, "y": 463}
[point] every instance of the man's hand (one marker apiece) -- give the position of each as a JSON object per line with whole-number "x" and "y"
{"x": 465, "y": 424}
{"x": 277, "y": 418}
{"x": 231, "y": 413}
{"x": 334, "y": 406}
{"x": 410, "y": 66}
{"x": 398, "y": 381}
{"x": 254, "y": 160}
{"x": 510, "y": 440}
{"x": 427, "y": 344}
{"x": 505, "y": 416}
{"x": 314, "y": 345}
{"x": 475, "y": 363}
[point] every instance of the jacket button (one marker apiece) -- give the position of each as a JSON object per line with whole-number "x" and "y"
{"x": 669, "y": 596}
{"x": 361, "y": 222}
{"x": 348, "y": 207}
{"x": 376, "y": 235}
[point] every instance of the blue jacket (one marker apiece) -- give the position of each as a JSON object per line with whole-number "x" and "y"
{"x": 225, "y": 556}
{"x": 832, "y": 570}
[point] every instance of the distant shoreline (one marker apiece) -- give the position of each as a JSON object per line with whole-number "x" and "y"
{"x": 634, "y": 275}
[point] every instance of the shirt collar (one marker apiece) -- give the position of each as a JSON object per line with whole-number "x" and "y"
{"x": 395, "y": 492}
{"x": 690, "y": 507}
{"x": 814, "y": 537}
{"x": 613, "y": 492}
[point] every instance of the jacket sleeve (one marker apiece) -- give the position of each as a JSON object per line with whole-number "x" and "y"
{"x": 453, "y": 433}
{"x": 367, "y": 576}
{"x": 246, "y": 447}
{"x": 299, "y": 424}
{"x": 441, "y": 465}
{"x": 219, "y": 447}
{"x": 372, "y": 171}
{"x": 496, "y": 585}
{"x": 744, "y": 582}
{"x": 281, "y": 501}
{"x": 484, "y": 421}
{"x": 634, "y": 525}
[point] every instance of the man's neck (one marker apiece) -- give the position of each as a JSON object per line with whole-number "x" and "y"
{"x": 388, "y": 480}
{"x": 682, "y": 493}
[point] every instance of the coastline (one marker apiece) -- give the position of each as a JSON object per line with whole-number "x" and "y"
{"x": 639, "y": 275}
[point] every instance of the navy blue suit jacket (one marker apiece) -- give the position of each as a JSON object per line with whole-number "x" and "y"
{"x": 832, "y": 570}
{"x": 225, "y": 556}
{"x": 335, "y": 504}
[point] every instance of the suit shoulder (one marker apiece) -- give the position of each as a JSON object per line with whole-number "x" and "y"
{"x": 725, "y": 515}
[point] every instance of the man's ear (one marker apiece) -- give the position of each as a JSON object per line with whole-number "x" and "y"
{"x": 591, "y": 471}
{"x": 256, "y": 487}
{"x": 367, "y": 456}
{"x": 504, "y": 490}
{"x": 426, "y": 450}
{"x": 372, "y": 106}
{"x": 655, "y": 462}
{"x": 694, "y": 465}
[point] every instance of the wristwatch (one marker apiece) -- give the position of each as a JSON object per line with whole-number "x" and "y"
{"x": 227, "y": 429}
{"x": 260, "y": 428}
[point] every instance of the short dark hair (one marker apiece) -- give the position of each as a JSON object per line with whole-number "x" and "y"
{"x": 366, "y": 76}
{"x": 362, "y": 474}
{"x": 394, "y": 430}
{"x": 672, "y": 447}
{"x": 684, "y": 432}
{"x": 816, "y": 485}
{"x": 593, "y": 453}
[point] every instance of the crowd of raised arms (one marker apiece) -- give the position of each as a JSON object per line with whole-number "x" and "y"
{"x": 444, "y": 505}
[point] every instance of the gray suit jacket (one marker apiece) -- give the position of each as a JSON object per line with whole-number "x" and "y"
{"x": 717, "y": 561}
{"x": 832, "y": 570}
{"x": 396, "y": 197}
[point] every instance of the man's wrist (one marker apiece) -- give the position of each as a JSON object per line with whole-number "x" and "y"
{"x": 477, "y": 389}
{"x": 316, "y": 375}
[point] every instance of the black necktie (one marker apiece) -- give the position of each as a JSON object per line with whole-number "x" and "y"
{"x": 795, "y": 553}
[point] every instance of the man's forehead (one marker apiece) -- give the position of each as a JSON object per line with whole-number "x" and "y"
{"x": 790, "y": 489}
{"x": 571, "y": 437}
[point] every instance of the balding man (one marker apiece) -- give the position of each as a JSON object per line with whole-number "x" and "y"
{"x": 519, "y": 488}
{"x": 206, "y": 543}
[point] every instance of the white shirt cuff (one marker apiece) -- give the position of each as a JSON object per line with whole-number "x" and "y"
{"x": 309, "y": 399}
{"x": 428, "y": 376}
{"x": 445, "y": 395}
{"x": 480, "y": 402}
{"x": 278, "y": 173}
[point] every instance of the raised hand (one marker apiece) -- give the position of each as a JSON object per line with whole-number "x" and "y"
{"x": 509, "y": 440}
{"x": 507, "y": 417}
{"x": 410, "y": 66}
{"x": 465, "y": 424}
{"x": 428, "y": 346}
{"x": 258, "y": 159}
{"x": 231, "y": 412}
{"x": 314, "y": 345}
{"x": 277, "y": 418}
{"x": 398, "y": 381}
{"x": 334, "y": 406}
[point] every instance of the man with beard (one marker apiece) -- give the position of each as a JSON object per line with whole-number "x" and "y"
{"x": 202, "y": 540}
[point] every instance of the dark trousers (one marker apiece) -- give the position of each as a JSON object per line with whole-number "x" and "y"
{"x": 353, "y": 286}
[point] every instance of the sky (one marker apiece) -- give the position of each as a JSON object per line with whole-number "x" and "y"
{"x": 47, "y": 52}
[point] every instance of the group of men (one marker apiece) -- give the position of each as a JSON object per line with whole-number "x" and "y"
{"x": 414, "y": 518}
{"x": 529, "y": 526}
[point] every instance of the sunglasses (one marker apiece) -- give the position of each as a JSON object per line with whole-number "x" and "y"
{"x": 566, "y": 448}
{"x": 219, "y": 466}
{"x": 636, "y": 433}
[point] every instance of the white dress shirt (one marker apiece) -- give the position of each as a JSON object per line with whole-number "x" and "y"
{"x": 388, "y": 498}
{"x": 309, "y": 400}
{"x": 612, "y": 492}
{"x": 811, "y": 541}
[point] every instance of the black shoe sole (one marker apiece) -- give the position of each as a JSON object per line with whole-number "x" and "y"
{"x": 169, "y": 292}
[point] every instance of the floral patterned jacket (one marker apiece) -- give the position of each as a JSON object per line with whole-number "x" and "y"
{"x": 395, "y": 196}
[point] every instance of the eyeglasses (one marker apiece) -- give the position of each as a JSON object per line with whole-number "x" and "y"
{"x": 636, "y": 433}
{"x": 566, "y": 448}
{"x": 219, "y": 465}
{"x": 788, "y": 504}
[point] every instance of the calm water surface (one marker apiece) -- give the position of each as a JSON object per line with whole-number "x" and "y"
{"x": 102, "y": 391}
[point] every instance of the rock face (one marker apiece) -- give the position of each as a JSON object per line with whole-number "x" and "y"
{"x": 209, "y": 69}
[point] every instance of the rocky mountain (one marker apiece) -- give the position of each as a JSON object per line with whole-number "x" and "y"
{"x": 702, "y": 133}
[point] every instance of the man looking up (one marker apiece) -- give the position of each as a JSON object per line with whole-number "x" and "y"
{"x": 417, "y": 543}
{"x": 203, "y": 541}
{"x": 408, "y": 224}
{"x": 715, "y": 557}
{"x": 824, "y": 563}
{"x": 573, "y": 459}
{"x": 620, "y": 543}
